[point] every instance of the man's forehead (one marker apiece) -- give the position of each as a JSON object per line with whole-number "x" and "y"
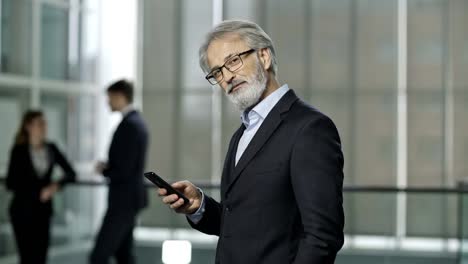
{"x": 221, "y": 49}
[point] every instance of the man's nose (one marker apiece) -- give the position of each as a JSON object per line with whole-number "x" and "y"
{"x": 228, "y": 75}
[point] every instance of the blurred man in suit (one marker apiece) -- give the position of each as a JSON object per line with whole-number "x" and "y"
{"x": 124, "y": 169}
{"x": 281, "y": 187}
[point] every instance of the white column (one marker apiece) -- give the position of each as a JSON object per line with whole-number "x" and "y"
{"x": 217, "y": 110}
{"x": 402, "y": 118}
{"x": 36, "y": 52}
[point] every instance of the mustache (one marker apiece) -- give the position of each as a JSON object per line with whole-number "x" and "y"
{"x": 233, "y": 84}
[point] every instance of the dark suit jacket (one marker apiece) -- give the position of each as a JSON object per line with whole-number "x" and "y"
{"x": 282, "y": 203}
{"x": 26, "y": 185}
{"x": 126, "y": 162}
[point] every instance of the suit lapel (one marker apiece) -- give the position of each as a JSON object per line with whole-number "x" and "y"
{"x": 229, "y": 162}
{"x": 268, "y": 127}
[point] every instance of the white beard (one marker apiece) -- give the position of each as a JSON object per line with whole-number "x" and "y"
{"x": 249, "y": 95}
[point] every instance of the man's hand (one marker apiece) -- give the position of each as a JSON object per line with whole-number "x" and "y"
{"x": 177, "y": 203}
{"x": 100, "y": 167}
{"x": 48, "y": 192}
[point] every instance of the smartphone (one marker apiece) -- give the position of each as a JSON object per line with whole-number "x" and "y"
{"x": 154, "y": 178}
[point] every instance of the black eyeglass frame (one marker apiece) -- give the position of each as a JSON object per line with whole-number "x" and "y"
{"x": 210, "y": 75}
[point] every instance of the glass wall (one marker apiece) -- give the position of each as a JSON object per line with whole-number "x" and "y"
{"x": 49, "y": 55}
{"x": 16, "y": 36}
{"x": 13, "y": 101}
{"x": 176, "y": 97}
{"x": 58, "y": 87}
{"x": 343, "y": 57}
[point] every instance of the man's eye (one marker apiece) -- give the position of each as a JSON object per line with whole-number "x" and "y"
{"x": 234, "y": 61}
{"x": 216, "y": 73}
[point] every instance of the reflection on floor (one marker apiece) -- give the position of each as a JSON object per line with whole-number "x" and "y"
{"x": 151, "y": 254}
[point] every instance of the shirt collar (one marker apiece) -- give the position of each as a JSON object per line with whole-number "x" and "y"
{"x": 127, "y": 109}
{"x": 263, "y": 108}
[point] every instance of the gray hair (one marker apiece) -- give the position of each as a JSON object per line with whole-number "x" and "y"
{"x": 250, "y": 32}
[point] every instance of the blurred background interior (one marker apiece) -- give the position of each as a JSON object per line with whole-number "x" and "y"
{"x": 392, "y": 74}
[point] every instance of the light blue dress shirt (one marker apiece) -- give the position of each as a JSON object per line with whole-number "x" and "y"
{"x": 255, "y": 117}
{"x": 252, "y": 121}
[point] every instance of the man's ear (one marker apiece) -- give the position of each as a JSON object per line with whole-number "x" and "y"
{"x": 264, "y": 55}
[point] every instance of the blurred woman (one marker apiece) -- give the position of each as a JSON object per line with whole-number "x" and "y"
{"x": 32, "y": 160}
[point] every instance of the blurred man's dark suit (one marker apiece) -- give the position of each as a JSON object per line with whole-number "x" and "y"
{"x": 282, "y": 202}
{"x": 127, "y": 194}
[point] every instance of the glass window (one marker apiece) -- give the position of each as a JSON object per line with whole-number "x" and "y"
{"x": 459, "y": 20}
{"x": 375, "y": 53}
{"x": 56, "y": 108}
{"x": 426, "y": 165}
{"x": 195, "y": 138}
{"x": 13, "y": 102}
{"x": 460, "y": 137}
{"x": 329, "y": 36}
{"x": 54, "y": 42}
{"x": 375, "y": 141}
{"x": 158, "y": 109}
{"x": 441, "y": 209}
{"x": 425, "y": 139}
{"x": 178, "y": 135}
{"x": 425, "y": 44}
{"x": 196, "y": 23}
{"x": 71, "y": 123}
{"x": 7, "y": 241}
{"x": 84, "y": 45}
{"x": 370, "y": 213}
{"x": 291, "y": 45}
{"x": 83, "y": 124}
{"x": 161, "y": 69}
{"x": 15, "y": 36}
{"x": 243, "y": 9}
{"x": 459, "y": 45}
{"x": 69, "y": 43}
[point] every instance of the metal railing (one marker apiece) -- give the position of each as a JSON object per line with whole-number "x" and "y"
{"x": 460, "y": 192}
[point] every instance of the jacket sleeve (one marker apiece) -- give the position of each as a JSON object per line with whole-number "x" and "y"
{"x": 210, "y": 223}
{"x": 317, "y": 181}
{"x": 14, "y": 170}
{"x": 69, "y": 172}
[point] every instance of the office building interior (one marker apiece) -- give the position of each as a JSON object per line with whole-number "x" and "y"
{"x": 392, "y": 74}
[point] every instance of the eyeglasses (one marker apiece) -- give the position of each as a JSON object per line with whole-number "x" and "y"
{"x": 232, "y": 64}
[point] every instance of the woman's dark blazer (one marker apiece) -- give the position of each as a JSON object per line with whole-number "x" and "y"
{"x": 26, "y": 185}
